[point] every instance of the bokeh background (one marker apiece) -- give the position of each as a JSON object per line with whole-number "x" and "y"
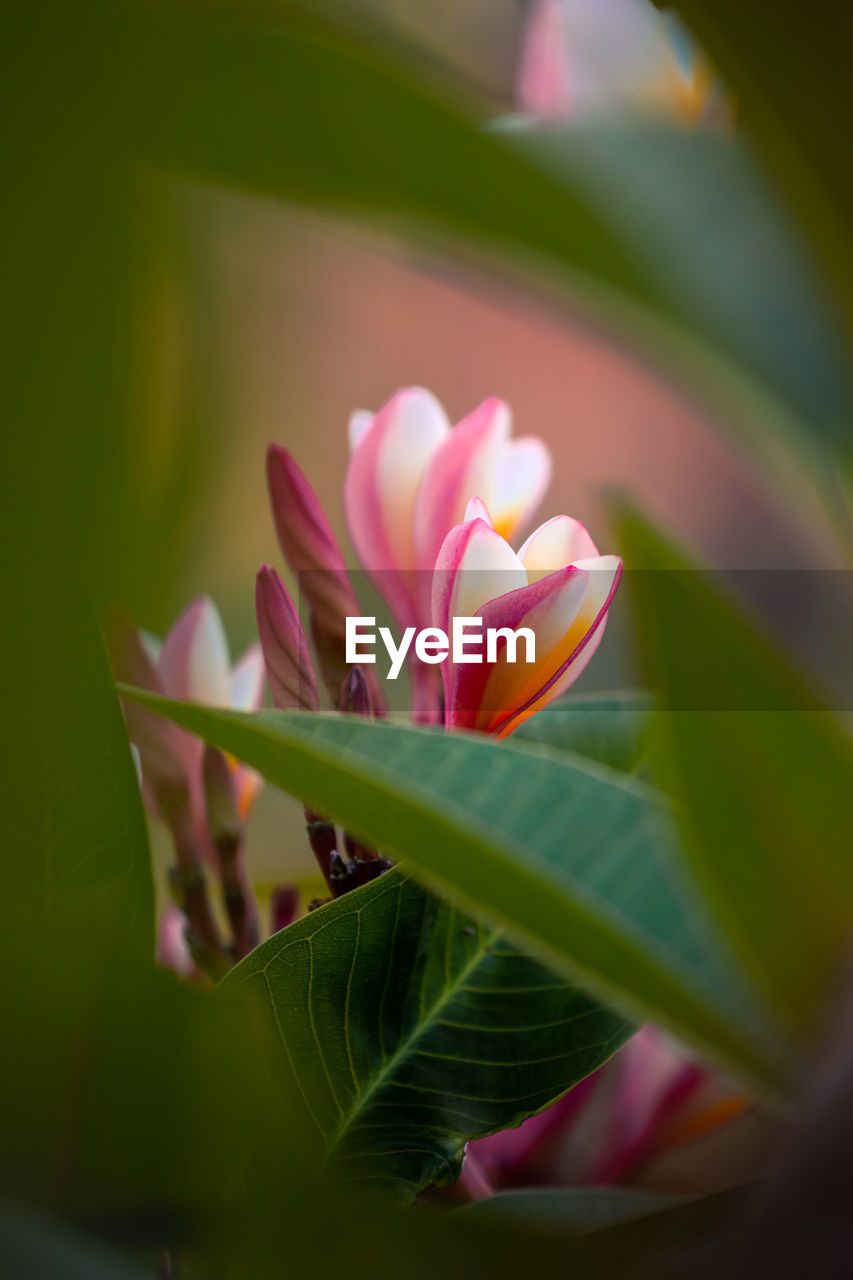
{"x": 260, "y": 321}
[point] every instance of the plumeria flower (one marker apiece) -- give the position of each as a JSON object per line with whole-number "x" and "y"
{"x": 650, "y": 1100}
{"x": 557, "y": 585}
{"x": 193, "y": 664}
{"x": 584, "y": 58}
{"x": 410, "y": 478}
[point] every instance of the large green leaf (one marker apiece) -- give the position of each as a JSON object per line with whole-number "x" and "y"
{"x": 81, "y": 839}
{"x": 763, "y": 773}
{"x": 576, "y": 859}
{"x": 408, "y": 1028}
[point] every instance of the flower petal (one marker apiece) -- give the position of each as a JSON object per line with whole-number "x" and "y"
{"x": 521, "y": 477}
{"x": 485, "y": 696}
{"x": 193, "y": 662}
{"x": 381, "y": 487}
{"x": 543, "y": 87}
{"x": 553, "y": 545}
{"x": 247, "y": 680}
{"x": 359, "y": 421}
{"x": 575, "y": 649}
{"x": 477, "y": 510}
{"x": 463, "y": 465}
{"x": 474, "y": 565}
{"x": 168, "y": 756}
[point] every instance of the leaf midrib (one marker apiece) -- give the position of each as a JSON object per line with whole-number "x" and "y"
{"x": 391, "y": 1063}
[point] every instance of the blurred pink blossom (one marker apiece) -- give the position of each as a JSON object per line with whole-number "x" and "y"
{"x": 583, "y": 58}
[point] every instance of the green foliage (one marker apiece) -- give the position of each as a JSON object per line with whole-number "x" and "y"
{"x": 80, "y": 834}
{"x": 596, "y": 210}
{"x": 614, "y": 730}
{"x": 793, "y": 97}
{"x": 756, "y": 297}
{"x": 407, "y": 1028}
{"x": 579, "y": 861}
{"x": 621, "y": 1227}
{"x": 764, "y": 777}
{"x": 34, "y": 1246}
{"x": 135, "y": 1104}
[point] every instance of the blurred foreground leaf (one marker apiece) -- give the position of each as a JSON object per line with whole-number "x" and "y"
{"x": 574, "y": 1210}
{"x": 34, "y": 1246}
{"x": 409, "y": 1028}
{"x": 763, "y": 773}
{"x": 630, "y": 1227}
{"x": 793, "y": 100}
{"x": 81, "y": 840}
{"x": 574, "y": 858}
{"x": 610, "y": 728}
{"x": 728, "y": 265}
{"x": 294, "y": 108}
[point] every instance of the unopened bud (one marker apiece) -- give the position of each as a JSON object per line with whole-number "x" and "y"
{"x": 355, "y": 694}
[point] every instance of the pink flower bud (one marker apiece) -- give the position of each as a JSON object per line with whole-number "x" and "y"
{"x": 312, "y": 551}
{"x": 285, "y": 649}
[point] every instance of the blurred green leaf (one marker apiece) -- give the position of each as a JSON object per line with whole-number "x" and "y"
{"x": 34, "y": 1246}
{"x": 82, "y": 839}
{"x": 620, "y": 224}
{"x": 408, "y": 1028}
{"x": 573, "y": 1210}
{"x": 577, "y": 860}
{"x": 136, "y": 1100}
{"x": 610, "y": 728}
{"x": 763, "y": 774}
{"x": 726, "y": 263}
{"x": 787, "y": 66}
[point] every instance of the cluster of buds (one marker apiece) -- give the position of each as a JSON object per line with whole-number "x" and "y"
{"x": 432, "y": 510}
{"x": 202, "y": 796}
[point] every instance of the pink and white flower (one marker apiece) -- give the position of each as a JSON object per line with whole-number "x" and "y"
{"x": 410, "y": 478}
{"x": 193, "y": 664}
{"x": 557, "y": 585}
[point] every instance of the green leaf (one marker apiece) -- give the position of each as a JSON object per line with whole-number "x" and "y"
{"x": 764, "y": 776}
{"x": 610, "y": 728}
{"x": 793, "y": 99}
{"x": 639, "y": 260}
{"x": 574, "y": 1210}
{"x": 135, "y": 1097}
{"x": 408, "y": 1028}
{"x": 35, "y": 1246}
{"x": 623, "y": 1227}
{"x": 669, "y": 194}
{"x": 80, "y": 839}
{"x": 579, "y": 861}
